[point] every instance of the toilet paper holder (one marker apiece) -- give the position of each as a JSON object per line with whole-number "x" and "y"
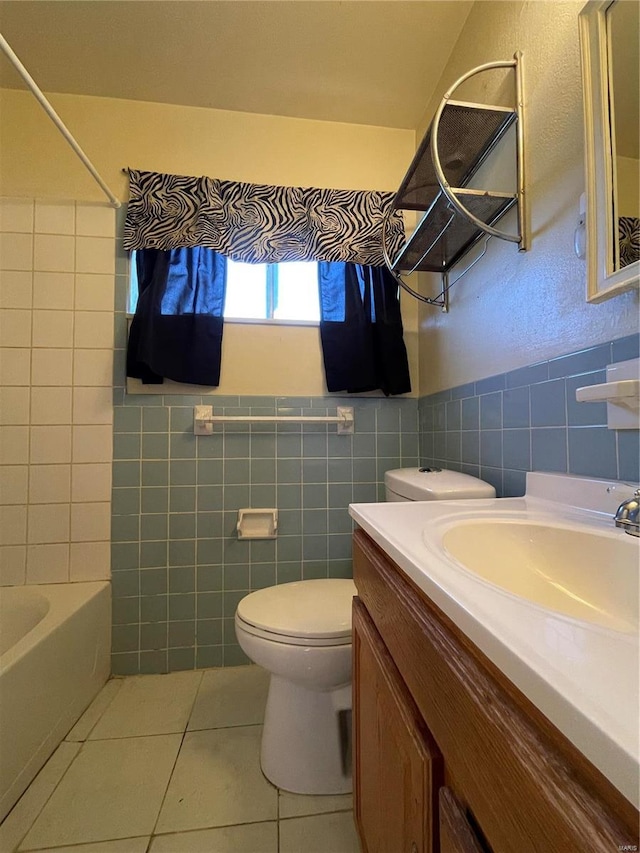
{"x": 257, "y": 523}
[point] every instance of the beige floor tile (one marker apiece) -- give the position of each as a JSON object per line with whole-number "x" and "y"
{"x": 230, "y": 696}
{"x": 300, "y": 805}
{"x": 330, "y": 833}
{"x": 113, "y": 789}
{"x": 96, "y": 709}
{"x": 248, "y": 838}
{"x": 218, "y": 782}
{"x": 149, "y": 705}
{"x": 123, "y": 845}
{"x": 19, "y": 821}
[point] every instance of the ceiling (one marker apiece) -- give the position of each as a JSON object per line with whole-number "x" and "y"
{"x": 359, "y": 61}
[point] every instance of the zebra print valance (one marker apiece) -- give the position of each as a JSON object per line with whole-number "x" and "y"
{"x": 257, "y": 223}
{"x": 629, "y": 239}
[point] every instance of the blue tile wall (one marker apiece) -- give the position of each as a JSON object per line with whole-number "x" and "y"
{"x": 528, "y": 420}
{"x": 178, "y": 567}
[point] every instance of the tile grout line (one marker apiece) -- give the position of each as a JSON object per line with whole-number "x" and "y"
{"x": 195, "y": 830}
{"x": 278, "y": 820}
{"x": 116, "y": 678}
{"x": 182, "y": 739}
{"x": 81, "y": 844}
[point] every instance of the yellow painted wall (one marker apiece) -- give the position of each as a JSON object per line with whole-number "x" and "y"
{"x": 35, "y": 161}
{"x": 513, "y": 308}
{"x": 628, "y": 182}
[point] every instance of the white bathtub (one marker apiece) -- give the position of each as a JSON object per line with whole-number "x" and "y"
{"x": 55, "y": 644}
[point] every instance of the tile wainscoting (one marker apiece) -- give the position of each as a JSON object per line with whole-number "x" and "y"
{"x": 178, "y": 568}
{"x": 528, "y": 420}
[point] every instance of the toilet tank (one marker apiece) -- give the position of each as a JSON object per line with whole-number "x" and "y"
{"x": 433, "y": 484}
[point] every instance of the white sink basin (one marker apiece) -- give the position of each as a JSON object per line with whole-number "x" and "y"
{"x": 586, "y": 575}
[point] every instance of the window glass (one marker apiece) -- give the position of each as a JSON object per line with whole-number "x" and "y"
{"x": 132, "y": 295}
{"x": 246, "y": 291}
{"x": 297, "y": 292}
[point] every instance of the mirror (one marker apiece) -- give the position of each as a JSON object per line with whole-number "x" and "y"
{"x": 609, "y": 38}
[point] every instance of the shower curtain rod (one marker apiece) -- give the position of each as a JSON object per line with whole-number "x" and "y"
{"x": 55, "y": 118}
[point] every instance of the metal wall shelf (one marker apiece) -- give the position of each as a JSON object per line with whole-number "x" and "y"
{"x": 460, "y": 138}
{"x": 444, "y": 235}
{"x": 468, "y": 132}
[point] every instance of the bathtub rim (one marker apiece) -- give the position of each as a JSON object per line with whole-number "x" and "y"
{"x": 64, "y": 599}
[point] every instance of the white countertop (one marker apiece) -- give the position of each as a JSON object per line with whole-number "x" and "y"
{"x": 583, "y": 677}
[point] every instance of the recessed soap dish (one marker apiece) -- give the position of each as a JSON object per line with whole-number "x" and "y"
{"x": 257, "y": 523}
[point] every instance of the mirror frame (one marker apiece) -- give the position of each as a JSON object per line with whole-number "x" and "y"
{"x": 603, "y": 281}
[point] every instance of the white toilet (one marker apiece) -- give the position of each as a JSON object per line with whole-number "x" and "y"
{"x": 301, "y": 633}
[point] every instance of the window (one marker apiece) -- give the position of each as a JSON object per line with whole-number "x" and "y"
{"x": 286, "y": 291}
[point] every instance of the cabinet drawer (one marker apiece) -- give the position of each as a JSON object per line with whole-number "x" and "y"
{"x": 528, "y": 788}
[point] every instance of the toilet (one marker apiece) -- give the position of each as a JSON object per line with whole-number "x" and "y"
{"x": 301, "y": 634}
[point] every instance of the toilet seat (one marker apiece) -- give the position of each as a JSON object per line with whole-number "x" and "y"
{"x": 291, "y": 640}
{"x": 304, "y": 613}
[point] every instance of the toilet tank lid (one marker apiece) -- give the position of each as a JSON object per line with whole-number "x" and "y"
{"x": 315, "y": 608}
{"x": 433, "y": 484}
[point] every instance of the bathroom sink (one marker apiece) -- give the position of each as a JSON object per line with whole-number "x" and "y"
{"x": 547, "y": 588}
{"x": 586, "y": 575}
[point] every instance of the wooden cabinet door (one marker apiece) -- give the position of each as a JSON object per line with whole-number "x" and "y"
{"x": 456, "y": 833}
{"x": 397, "y": 766}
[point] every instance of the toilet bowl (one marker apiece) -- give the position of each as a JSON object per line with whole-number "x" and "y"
{"x": 301, "y": 633}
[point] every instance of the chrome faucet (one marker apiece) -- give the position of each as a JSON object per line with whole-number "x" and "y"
{"x": 627, "y": 515}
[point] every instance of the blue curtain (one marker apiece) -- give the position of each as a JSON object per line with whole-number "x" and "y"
{"x": 361, "y": 329}
{"x": 177, "y": 329}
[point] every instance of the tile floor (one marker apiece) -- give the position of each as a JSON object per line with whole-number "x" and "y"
{"x": 170, "y": 764}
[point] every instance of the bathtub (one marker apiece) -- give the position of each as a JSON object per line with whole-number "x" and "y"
{"x": 55, "y": 644}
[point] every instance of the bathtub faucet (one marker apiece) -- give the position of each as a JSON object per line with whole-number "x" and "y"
{"x": 627, "y": 515}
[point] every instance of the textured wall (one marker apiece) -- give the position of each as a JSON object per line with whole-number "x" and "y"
{"x": 187, "y": 141}
{"x": 514, "y": 309}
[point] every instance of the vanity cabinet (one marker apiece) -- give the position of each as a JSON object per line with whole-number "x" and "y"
{"x": 449, "y": 755}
